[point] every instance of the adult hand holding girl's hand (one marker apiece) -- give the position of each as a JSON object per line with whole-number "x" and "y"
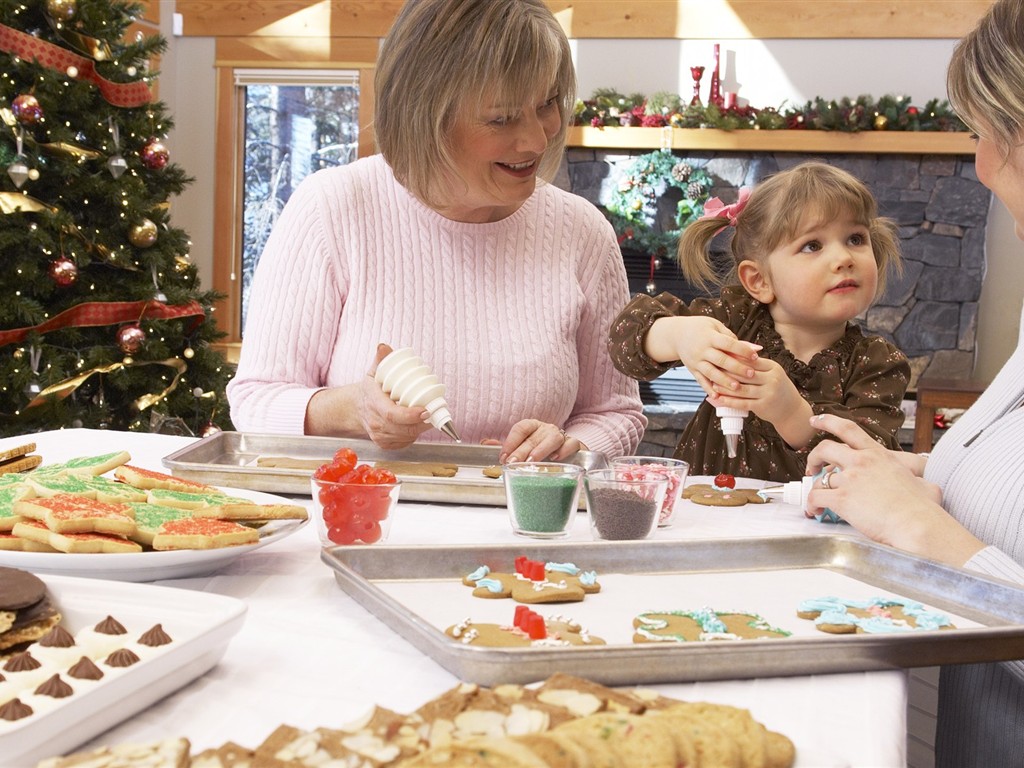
{"x": 878, "y": 493}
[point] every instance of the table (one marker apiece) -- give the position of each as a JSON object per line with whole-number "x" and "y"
{"x": 309, "y": 656}
{"x": 933, "y": 394}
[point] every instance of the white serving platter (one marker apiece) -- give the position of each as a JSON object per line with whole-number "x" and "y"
{"x": 154, "y": 566}
{"x": 200, "y": 624}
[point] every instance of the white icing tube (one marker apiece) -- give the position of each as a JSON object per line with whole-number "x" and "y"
{"x": 406, "y": 380}
{"x": 795, "y": 492}
{"x": 731, "y": 421}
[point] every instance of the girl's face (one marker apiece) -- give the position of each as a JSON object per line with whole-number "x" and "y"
{"x": 1005, "y": 177}
{"x": 498, "y": 152}
{"x": 824, "y": 277}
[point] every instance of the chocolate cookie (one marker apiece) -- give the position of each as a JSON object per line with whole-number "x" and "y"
{"x": 19, "y": 589}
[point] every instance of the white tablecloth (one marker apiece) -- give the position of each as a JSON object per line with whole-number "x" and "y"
{"x": 309, "y": 656}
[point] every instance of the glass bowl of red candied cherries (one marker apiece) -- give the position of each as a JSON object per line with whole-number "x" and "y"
{"x": 353, "y": 503}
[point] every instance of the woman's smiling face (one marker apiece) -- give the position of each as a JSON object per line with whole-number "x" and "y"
{"x": 497, "y": 153}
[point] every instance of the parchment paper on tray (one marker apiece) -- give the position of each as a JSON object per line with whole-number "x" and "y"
{"x": 418, "y": 592}
{"x": 284, "y": 463}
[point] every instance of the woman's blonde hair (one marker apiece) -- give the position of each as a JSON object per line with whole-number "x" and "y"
{"x": 985, "y": 79}
{"x": 444, "y": 57}
{"x": 776, "y": 211}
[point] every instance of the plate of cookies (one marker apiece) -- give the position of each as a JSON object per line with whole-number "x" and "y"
{"x": 101, "y": 517}
{"x": 78, "y": 656}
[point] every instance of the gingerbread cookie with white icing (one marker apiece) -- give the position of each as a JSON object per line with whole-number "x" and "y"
{"x": 534, "y": 582}
{"x": 703, "y": 625}
{"x": 876, "y": 615}
{"x": 722, "y": 493}
{"x": 528, "y": 629}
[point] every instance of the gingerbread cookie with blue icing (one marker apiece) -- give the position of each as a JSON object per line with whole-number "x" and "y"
{"x": 702, "y": 625}
{"x": 876, "y": 615}
{"x": 534, "y": 582}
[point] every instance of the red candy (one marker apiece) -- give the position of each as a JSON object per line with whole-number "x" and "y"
{"x": 535, "y": 627}
{"x": 354, "y": 509}
{"x": 725, "y": 481}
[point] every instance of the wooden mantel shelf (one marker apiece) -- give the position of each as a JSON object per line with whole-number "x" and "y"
{"x": 750, "y": 140}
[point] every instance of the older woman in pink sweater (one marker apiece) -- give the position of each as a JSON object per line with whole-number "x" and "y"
{"x": 451, "y": 243}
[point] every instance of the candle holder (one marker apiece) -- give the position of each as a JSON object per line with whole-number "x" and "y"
{"x": 696, "y": 73}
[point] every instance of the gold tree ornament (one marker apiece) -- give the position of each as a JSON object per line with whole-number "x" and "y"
{"x": 143, "y": 234}
{"x": 62, "y": 10}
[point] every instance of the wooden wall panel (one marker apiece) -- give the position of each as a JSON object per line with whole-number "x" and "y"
{"x": 341, "y": 52}
{"x": 710, "y": 19}
{"x": 765, "y": 19}
{"x": 291, "y": 18}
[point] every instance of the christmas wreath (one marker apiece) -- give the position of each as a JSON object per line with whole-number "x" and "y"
{"x": 634, "y": 206}
{"x": 890, "y": 113}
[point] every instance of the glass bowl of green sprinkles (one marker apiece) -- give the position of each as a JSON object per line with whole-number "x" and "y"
{"x": 542, "y": 497}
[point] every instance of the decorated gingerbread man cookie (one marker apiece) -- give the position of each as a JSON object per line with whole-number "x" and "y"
{"x": 723, "y": 493}
{"x": 875, "y": 615}
{"x": 701, "y": 625}
{"x": 528, "y": 628}
{"x": 534, "y": 582}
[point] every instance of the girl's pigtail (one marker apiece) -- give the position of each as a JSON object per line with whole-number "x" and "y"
{"x": 694, "y": 253}
{"x": 694, "y": 245}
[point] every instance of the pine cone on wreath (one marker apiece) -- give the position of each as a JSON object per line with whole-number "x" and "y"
{"x": 681, "y": 172}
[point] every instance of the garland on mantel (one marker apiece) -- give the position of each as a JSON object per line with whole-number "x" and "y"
{"x": 608, "y": 107}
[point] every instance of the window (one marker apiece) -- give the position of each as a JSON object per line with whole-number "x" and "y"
{"x": 295, "y": 122}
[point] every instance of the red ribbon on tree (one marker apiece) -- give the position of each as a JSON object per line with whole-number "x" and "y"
{"x": 96, "y": 313}
{"x": 17, "y": 43}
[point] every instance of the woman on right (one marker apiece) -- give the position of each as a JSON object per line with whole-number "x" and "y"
{"x": 964, "y": 504}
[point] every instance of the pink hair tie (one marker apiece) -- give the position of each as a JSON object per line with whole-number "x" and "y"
{"x": 716, "y": 209}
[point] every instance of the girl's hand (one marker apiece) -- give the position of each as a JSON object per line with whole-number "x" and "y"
{"x": 708, "y": 349}
{"x": 533, "y": 440}
{"x": 883, "y": 498}
{"x": 771, "y": 395}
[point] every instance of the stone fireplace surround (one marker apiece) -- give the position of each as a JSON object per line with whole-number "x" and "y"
{"x": 940, "y": 207}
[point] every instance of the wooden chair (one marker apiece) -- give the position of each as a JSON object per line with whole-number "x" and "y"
{"x": 934, "y": 393}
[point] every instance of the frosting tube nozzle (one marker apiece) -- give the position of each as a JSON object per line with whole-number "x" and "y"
{"x": 731, "y": 421}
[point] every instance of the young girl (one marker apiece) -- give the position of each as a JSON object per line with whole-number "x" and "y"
{"x": 811, "y": 254}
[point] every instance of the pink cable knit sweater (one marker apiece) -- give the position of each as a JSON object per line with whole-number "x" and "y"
{"x": 512, "y": 316}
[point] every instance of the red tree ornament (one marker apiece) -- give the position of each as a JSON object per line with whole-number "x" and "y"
{"x": 63, "y": 271}
{"x": 26, "y": 109}
{"x": 154, "y": 154}
{"x": 130, "y": 338}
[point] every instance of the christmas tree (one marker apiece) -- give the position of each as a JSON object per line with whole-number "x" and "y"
{"x": 102, "y": 320}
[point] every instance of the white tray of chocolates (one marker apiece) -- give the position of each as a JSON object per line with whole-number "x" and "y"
{"x": 116, "y": 649}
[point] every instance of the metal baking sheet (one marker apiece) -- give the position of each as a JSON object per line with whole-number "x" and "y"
{"x": 230, "y": 459}
{"x": 416, "y": 591}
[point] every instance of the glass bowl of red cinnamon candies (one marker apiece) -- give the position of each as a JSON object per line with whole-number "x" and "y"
{"x": 353, "y": 503}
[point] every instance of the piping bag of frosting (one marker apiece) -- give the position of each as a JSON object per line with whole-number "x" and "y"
{"x": 408, "y": 381}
